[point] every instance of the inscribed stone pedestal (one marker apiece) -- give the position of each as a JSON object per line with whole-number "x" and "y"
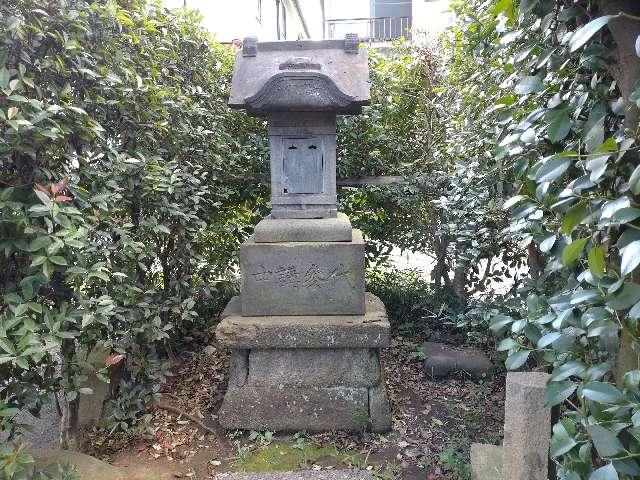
{"x": 303, "y": 278}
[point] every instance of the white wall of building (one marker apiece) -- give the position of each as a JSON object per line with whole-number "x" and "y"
{"x": 431, "y": 16}
{"x": 237, "y": 19}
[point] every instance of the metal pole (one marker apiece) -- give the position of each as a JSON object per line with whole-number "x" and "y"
{"x": 324, "y": 19}
{"x": 278, "y": 18}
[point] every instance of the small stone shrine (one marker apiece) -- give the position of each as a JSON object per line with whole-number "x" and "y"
{"x": 304, "y": 335}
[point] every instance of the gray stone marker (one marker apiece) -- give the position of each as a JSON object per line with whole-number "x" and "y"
{"x": 301, "y": 475}
{"x": 304, "y": 335}
{"x": 527, "y": 433}
{"x": 527, "y": 425}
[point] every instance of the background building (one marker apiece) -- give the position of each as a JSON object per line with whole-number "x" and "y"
{"x": 378, "y": 21}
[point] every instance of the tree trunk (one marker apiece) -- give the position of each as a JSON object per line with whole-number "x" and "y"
{"x": 69, "y": 423}
{"x": 626, "y": 71}
{"x": 460, "y": 282}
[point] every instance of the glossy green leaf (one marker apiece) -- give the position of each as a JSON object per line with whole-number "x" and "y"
{"x": 597, "y": 263}
{"x": 559, "y": 125}
{"x": 552, "y": 169}
{"x": 572, "y": 251}
{"x": 558, "y": 392}
{"x": 517, "y": 359}
{"x": 626, "y": 297}
{"x": 584, "y": 33}
{"x": 561, "y": 441}
{"x": 605, "y": 441}
{"x": 573, "y": 217}
{"x": 601, "y": 392}
{"x": 608, "y": 472}
{"x": 630, "y": 257}
{"x": 529, "y": 84}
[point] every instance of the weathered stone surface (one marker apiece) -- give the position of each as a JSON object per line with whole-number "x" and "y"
{"x": 316, "y": 409}
{"x": 301, "y": 75}
{"x": 303, "y": 278}
{"x": 273, "y": 230}
{"x": 45, "y": 431}
{"x": 486, "y": 462}
{"x": 87, "y": 467}
{"x": 300, "y": 475}
{"x": 379, "y": 408}
{"x": 527, "y": 427}
{"x": 443, "y": 360}
{"x": 91, "y": 406}
{"x": 289, "y": 408}
{"x": 239, "y": 367}
{"x": 353, "y": 367}
{"x": 370, "y": 330}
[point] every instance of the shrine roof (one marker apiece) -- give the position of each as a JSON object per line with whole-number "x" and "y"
{"x": 303, "y": 75}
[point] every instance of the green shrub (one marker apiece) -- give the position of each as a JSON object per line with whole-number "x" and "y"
{"x": 411, "y": 301}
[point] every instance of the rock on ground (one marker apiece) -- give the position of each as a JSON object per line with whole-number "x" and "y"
{"x": 301, "y": 475}
{"x": 443, "y": 360}
{"x": 87, "y": 467}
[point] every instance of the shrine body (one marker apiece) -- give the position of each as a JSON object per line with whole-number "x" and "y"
{"x": 305, "y": 336}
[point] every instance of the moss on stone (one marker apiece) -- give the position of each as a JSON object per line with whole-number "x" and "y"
{"x": 284, "y": 457}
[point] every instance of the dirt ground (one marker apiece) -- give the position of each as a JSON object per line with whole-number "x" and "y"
{"x": 434, "y": 423}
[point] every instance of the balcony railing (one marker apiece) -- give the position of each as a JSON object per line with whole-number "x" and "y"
{"x": 372, "y": 29}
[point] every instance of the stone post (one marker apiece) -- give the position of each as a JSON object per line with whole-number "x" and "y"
{"x": 527, "y": 432}
{"x": 527, "y": 427}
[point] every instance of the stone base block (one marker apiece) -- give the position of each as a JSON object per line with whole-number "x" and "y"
{"x": 353, "y": 367}
{"x": 370, "y": 330}
{"x": 486, "y": 462}
{"x": 293, "y": 409}
{"x": 274, "y": 230}
{"x": 303, "y": 278}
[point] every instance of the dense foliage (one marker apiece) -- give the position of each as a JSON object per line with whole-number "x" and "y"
{"x": 547, "y": 93}
{"x": 123, "y": 193}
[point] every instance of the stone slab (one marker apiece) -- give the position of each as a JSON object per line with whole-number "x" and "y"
{"x": 303, "y": 278}
{"x": 370, "y": 330}
{"x": 486, "y": 462}
{"x": 300, "y": 475}
{"x": 294, "y": 409}
{"x": 353, "y": 367}
{"x": 379, "y": 408}
{"x": 45, "y": 428}
{"x": 527, "y": 426}
{"x": 274, "y": 230}
{"x": 87, "y": 467}
{"x": 443, "y": 360}
{"x": 90, "y": 406}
